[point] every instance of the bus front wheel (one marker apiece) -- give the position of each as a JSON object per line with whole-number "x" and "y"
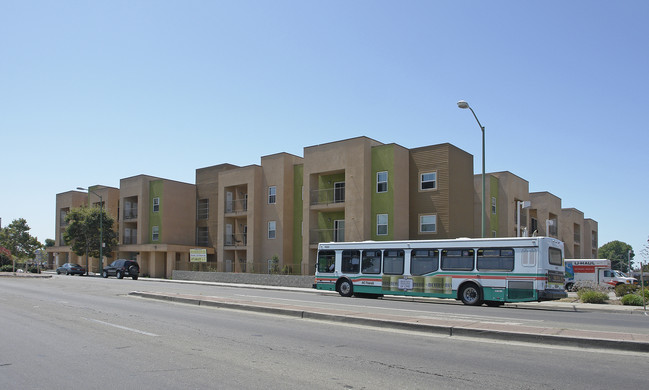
{"x": 345, "y": 288}
{"x": 471, "y": 295}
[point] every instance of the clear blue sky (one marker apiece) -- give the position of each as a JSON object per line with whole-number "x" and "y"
{"x": 95, "y": 91}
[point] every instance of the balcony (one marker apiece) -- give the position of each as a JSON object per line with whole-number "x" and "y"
{"x": 236, "y": 240}
{"x": 236, "y": 206}
{"x": 328, "y": 196}
{"x": 130, "y": 214}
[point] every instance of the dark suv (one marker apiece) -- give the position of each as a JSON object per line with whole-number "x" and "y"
{"x": 121, "y": 268}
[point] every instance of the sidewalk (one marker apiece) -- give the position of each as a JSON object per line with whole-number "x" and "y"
{"x": 445, "y": 327}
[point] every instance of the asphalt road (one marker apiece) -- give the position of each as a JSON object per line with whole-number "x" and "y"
{"x": 75, "y": 332}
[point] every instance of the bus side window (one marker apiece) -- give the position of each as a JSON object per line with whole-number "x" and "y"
{"x": 496, "y": 259}
{"x": 326, "y": 261}
{"x": 351, "y": 261}
{"x": 457, "y": 259}
{"x": 371, "y": 262}
{"x": 393, "y": 260}
{"x": 424, "y": 261}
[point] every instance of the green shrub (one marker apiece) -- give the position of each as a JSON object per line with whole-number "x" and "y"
{"x": 632, "y": 300}
{"x": 591, "y": 296}
{"x": 625, "y": 289}
{"x": 34, "y": 270}
{"x": 6, "y": 268}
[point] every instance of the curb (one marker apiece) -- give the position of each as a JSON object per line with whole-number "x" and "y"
{"x": 579, "y": 339}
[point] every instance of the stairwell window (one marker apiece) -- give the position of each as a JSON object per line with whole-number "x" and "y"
{"x": 272, "y": 194}
{"x": 428, "y": 181}
{"x": 381, "y": 224}
{"x": 382, "y": 182}
{"x": 156, "y": 205}
{"x": 155, "y": 233}
{"x": 272, "y": 230}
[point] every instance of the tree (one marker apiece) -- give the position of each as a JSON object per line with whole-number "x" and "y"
{"x": 618, "y": 253}
{"x": 83, "y": 232}
{"x": 5, "y": 256}
{"x": 16, "y": 238}
{"x": 49, "y": 243}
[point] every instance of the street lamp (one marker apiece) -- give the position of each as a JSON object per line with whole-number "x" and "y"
{"x": 462, "y": 104}
{"x": 101, "y": 228}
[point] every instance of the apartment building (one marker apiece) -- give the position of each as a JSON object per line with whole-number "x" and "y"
{"x": 506, "y": 213}
{"x": 512, "y": 210}
{"x": 69, "y": 200}
{"x": 158, "y": 224}
{"x": 269, "y": 217}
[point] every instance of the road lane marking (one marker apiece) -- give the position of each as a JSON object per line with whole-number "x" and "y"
{"x": 121, "y": 327}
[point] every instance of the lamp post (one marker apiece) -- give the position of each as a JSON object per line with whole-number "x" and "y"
{"x": 101, "y": 228}
{"x": 462, "y": 104}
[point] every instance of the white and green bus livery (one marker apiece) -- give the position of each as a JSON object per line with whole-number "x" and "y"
{"x": 475, "y": 271}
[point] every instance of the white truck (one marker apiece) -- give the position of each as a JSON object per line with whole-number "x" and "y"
{"x": 594, "y": 271}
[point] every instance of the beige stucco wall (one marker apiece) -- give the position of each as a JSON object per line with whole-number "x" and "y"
{"x": 573, "y": 248}
{"x": 451, "y": 201}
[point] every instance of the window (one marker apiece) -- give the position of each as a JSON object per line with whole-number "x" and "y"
{"x": 339, "y": 192}
{"x": 272, "y": 194}
{"x": 155, "y": 233}
{"x": 493, "y": 205}
{"x": 424, "y": 261}
{"x": 272, "y": 230}
{"x": 156, "y": 205}
{"x": 496, "y": 259}
{"x": 371, "y": 262}
{"x": 202, "y": 236}
{"x": 351, "y": 261}
{"x": 381, "y": 224}
{"x": 457, "y": 259}
{"x": 393, "y": 262}
{"x": 326, "y": 261}
{"x": 555, "y": 256}
{"x": 428, "y": 181}
{"x": 203, "y": 209}
{"x": 428, "y": 223}
{"x": 382, "y": 181}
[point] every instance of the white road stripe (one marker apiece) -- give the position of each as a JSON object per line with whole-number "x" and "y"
{"x": 121, "y": 327}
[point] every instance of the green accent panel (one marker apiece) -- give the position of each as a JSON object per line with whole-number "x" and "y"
{"x": 493, "y": 186}
{"x": 520, "y": 294}
{"x": 326, "y": 224}
{"x": 494, "y": 294}
{"x": 383, "y": 203}
{"x": 156, "y": 189}
{"x": 326, "y": 286}
{"x": 298, "y": 217}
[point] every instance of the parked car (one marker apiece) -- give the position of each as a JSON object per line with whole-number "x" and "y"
{"x": 71, "y": 269}
{"x": 120, "y": 268}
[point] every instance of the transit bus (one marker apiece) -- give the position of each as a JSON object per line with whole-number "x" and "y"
{"x": 473, "y": 270}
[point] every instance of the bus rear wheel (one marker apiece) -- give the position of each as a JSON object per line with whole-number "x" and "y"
{"x": 471, "y": 295}
{"x": 345, "y": 288}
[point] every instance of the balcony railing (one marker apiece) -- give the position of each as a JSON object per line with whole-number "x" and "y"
{"x": 239, "y": 239}
{"x": 328, "y": 196}
{"x": 130, "y": 214}
{"x": 129, "y": 240}
{"x": 236, "y": 206}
